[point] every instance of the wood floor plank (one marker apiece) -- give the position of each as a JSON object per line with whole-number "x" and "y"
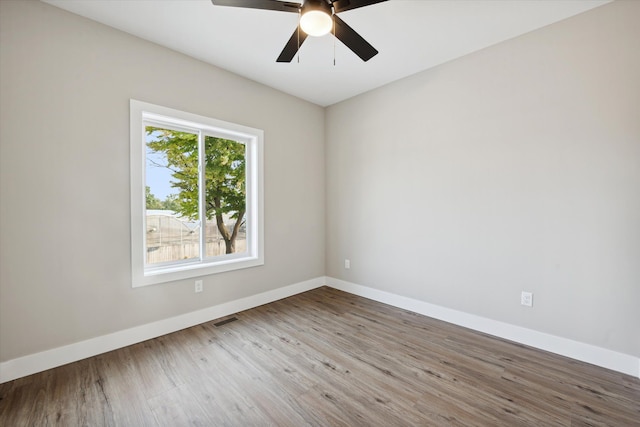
{"x": 324, "y": 358}
{"x": 178, "y": 406}
{"x": 239, "y": 365}
{"x": 116, "y": 372}
{"x": 327, "y": 374}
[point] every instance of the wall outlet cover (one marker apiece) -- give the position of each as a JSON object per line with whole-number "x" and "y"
{"x": 526, "y": 298}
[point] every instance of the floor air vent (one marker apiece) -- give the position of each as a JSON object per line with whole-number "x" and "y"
{"x": 225, "y": 321}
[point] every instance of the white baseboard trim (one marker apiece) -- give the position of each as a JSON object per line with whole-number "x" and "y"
{"x": 598, "y": 356}
{"x": 38, "y": 362}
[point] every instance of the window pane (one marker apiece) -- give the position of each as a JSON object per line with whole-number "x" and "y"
{"x": 225, "y": 196}
{"x": 172, "y": 227}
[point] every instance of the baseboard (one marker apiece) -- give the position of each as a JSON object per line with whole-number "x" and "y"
{"x": 42, "y": 361}
{"x": 38, "y": 362}
{"x": 598, "y": 356}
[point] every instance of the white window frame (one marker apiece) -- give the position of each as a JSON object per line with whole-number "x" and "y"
{"x": 143, "y": 275}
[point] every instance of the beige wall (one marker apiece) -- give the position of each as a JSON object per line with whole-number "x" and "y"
{"x": 513, "y": 168}
{"x": 65, "y": 85}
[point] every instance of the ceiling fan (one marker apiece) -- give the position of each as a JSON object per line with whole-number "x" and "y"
{"x": 317, "y": 18}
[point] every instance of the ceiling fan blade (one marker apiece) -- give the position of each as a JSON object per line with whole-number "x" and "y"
{"x": 291, "y": 48}
{"x": 353, "y": 40}
{"x": 260, "y": 4}
{"x": 342, "y": 5}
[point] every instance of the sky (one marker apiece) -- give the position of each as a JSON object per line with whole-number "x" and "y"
{"x": 158, "y": 178}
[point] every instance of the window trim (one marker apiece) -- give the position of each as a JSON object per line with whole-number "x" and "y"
{"x": 254, "y": 141}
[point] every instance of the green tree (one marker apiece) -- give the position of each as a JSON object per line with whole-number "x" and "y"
{"x": 152, "y": 201}
{"x": 171, "y": 203}
{"x": 225, "y": 186}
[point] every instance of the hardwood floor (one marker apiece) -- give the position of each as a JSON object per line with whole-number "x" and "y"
{"x": 324, "y": 358}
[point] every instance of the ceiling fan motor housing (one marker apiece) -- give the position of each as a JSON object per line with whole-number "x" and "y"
{"x": 320, "y": 5}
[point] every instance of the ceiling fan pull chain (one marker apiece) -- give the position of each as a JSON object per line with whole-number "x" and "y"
{"x": 333, "y": 18}
{"x": 298, "y": 51}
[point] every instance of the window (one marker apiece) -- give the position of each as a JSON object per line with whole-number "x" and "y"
{"x": 196, "y": 195}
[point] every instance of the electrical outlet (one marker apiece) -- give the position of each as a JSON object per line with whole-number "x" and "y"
{"x": 198, "y": 286}
{"x": 526, "y": 298}
{"x": 347, "y": 264}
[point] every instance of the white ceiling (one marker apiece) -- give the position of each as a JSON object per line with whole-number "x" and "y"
{"x": 411, "y": 36}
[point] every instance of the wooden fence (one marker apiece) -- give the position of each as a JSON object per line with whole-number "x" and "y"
{"x": 170, "y": 239}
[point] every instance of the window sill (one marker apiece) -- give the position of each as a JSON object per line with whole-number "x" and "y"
{"x": 188, "y": 271}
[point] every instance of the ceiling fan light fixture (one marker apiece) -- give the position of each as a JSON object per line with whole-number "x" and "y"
{"x": 315, "y": 18}
{"x": 316, "y": 23}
